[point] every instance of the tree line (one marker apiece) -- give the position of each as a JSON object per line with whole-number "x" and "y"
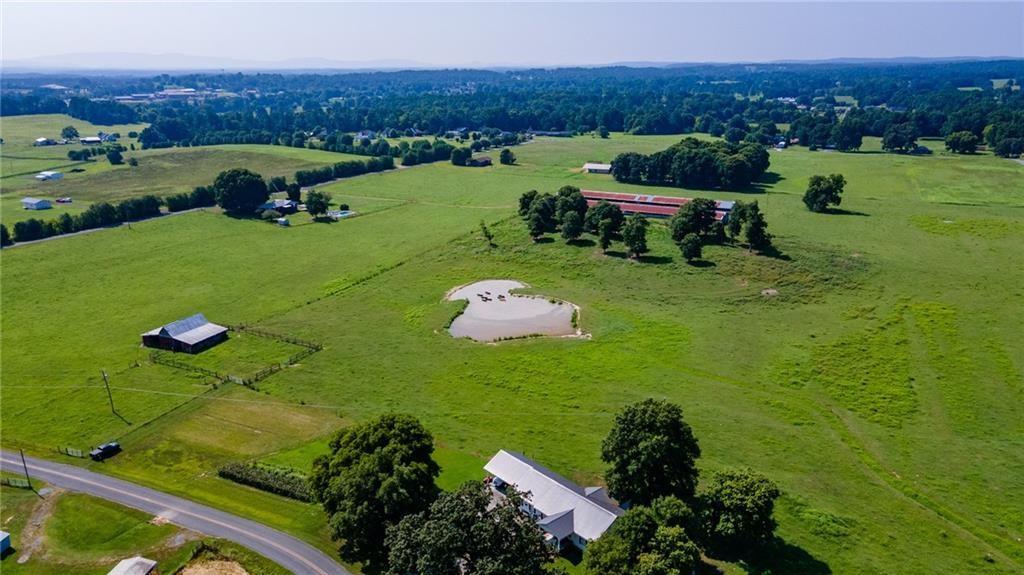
{"x": 694, "y": 163}
{"x": 378, "y": 488}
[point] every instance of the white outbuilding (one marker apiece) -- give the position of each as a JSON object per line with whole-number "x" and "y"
{"x": 35, "y": 204}
{"x": 596, "y": 168}
{"x": 134, "y": 566}
{"x": 49, "y": 176}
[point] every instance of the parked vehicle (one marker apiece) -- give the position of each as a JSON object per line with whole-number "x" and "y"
{"x": 105, "y": 451}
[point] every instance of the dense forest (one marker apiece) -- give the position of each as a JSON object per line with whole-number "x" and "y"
{"x": 829, "y": 104}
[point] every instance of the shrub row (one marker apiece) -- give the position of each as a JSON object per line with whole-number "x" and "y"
{"x": 279, "y": 481}
{"x": 201, "y": 197}
{"x": 86, "y": 153}
{"x": 343, "y": 170}
{"x": 96, "y": 216}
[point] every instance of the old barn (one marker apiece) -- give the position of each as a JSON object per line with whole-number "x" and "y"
{"x": 190, "y": 335}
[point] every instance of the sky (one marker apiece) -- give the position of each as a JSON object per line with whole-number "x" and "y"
{"x": 225, "y": 34}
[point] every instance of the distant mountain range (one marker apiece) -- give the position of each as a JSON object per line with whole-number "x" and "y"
{"x": 127, "y": 62}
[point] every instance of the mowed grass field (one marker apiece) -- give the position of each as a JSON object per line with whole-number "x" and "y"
{"x": 881, "y": 387}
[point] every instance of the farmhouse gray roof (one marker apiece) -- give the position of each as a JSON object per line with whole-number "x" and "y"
{"x": 592, "y": 512}
{"x": 190, "y": 330}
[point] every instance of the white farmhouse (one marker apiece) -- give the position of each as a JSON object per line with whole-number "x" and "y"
{"x": 564, "y": 510}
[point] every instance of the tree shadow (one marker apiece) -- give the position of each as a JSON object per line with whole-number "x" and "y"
{"x": 774, "y": 253}
{"x": 582, "y": 243}
{"x": 782, "y": 557}
{"x": 842, "y": 212}
{"x": 655, "y": 260}
{"x": 544, "y": 240}
{"x": 770, "y": 178}
{"x": 701, "y": 263}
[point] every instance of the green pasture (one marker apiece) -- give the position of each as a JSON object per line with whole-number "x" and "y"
{"x": 18, "y": 156}
{"x": 161, "y": 172}
{"x": 881, "y": 387}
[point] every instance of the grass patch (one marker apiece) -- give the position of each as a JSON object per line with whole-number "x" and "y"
{"x": 900, "y": 437}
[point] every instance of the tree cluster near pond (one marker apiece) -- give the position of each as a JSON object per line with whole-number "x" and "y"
{"x": 694, "y": 163}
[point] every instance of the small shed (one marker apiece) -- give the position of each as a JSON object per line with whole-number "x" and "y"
{"x": 5, "y": 543}
{"x": 35, "y": 204}
{"x": 190, "y": 335}
{"x": 44, "y": 142}
{"x": 134, "y": 566}
{"x": 90, "y": 141}
{"x": 596, "y": 168}
{"x": 49, "y": 175}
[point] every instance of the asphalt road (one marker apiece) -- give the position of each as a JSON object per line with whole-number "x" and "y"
{"x": 285, "y": 550}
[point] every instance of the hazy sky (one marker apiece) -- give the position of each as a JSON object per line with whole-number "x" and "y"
{"x": 459, "y": 34}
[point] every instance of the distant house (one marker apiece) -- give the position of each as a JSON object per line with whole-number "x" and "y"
{"x": 368, "y": 134}
{"x": 565, "y": 511}
{"x": 190, "y": 335}
{"x": 5, "y": 542}
{"x": 35, "y": 204}
{"x": 781, "y": 145}
{"x": 596, "y": 168}
{"x": 281, "y": 206}
{"x": 479, "y": 162}
{"x": 44, "y": 142}
{"x": 90, "y": 140}
{"x": 134, "y": 566}
{"x": 49, "y": 175}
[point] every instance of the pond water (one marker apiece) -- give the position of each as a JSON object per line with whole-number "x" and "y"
{"x": 494, "y": 313}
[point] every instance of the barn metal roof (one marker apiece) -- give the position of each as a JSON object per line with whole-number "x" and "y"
{"x": 559, "y": 499}
{"x": 133, "y": 566}
{"x": 190, "y": 330}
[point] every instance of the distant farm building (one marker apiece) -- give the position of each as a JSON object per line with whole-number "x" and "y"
{"x": 90, "y": 140}
{"x": 44, "y": 142}
{"x": 565, "y": 511}
{"x": 596, "y": 168}
{"x": 367, "y": 134}
{"x": 190, "y": 335}
{"x": 49, "y": 175}
{"x": 654, "y": 206}
{"x": 35, "y": 204}
{"x": 281, "y": 206}
{"x": 134, "y": 566}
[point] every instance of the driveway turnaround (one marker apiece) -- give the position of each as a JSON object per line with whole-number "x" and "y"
{"x": 285, "y": 550}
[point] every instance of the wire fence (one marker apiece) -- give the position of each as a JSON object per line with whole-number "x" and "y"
{"x": 309, "y": 348}
{"x": 71, "y": 451}
{"x": 279, "y": 337}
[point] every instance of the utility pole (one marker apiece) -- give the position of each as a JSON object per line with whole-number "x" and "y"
{"x": 109, "y": 396}
{"x": 24, "y": 466}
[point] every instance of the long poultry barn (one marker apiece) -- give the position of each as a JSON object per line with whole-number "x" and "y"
{"x": 654, "y": 206}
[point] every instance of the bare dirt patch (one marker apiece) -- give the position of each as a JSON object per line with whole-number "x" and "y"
{"x": 32, "y": 538}
{"x": 495, "y": 313}
{"x": 217, "y": 567}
